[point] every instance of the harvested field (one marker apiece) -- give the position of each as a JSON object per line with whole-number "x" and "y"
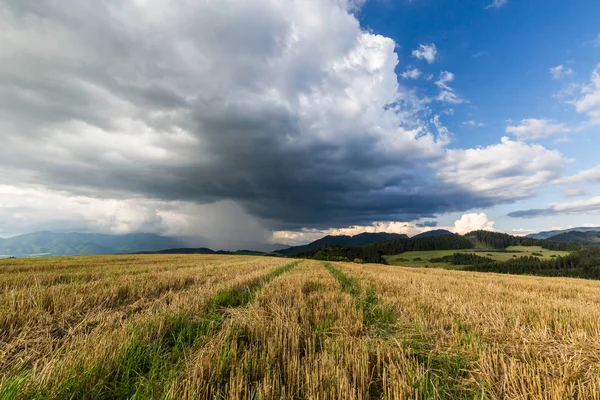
{"x": 240, "y": 327}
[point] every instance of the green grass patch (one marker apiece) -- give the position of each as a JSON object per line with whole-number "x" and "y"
{"x": 423, "y": 258}
{"x": 376, "y": 315}
{"x": 242, "y": 294}
{"x": 445, "y": 372}
{"x": 349, "y": 285}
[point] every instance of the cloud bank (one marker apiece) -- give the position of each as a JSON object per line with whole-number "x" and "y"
{"x": 531, "y": 129}
{"x": 156, "y": 116}
{"x": 588, "y": 206}
{"x": 466, "y": 223}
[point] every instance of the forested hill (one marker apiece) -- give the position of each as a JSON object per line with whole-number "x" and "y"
{"x": 367, "y": 246}
{"x": 550, "y": 234}
{"x": 583, "y": 238}
{"x": 496, "y": 240}
{"x": 343, "y": 240}
{"x": 373, "y": 253}
{"x": 583, "y": 263}
{"x": 436, "y": 232}
{"x": 477, "y": 239}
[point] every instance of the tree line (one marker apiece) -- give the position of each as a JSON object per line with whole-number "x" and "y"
{"x": 584, "y": 263}
{"x": 462, "y": 259}
{"x": 497, "y": 240}
{"x": 373, "y": 253}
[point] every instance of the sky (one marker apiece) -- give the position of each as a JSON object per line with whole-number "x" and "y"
{"x": 280, "y": 121}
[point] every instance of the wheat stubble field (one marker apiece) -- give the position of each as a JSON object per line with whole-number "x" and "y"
{"x": 240, "y": 327}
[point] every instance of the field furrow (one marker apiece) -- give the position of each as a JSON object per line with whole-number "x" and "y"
{"x": 310, "y": 334}
{"x": 276, "y": 347}
{"x": 433, "y": 375}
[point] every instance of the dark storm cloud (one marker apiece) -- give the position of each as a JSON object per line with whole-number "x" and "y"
{"x": 588, "y": 206}
{"x": 427, "y": 224}
{"x": 532, "y": 213}
{"x": 283, "y": 109}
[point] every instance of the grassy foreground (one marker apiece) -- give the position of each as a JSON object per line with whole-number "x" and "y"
{"x": 237, "y": 327}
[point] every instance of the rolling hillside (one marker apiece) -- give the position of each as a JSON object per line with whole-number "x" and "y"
{"x": 583, "y": 238}
{"x": 436, "y": 232}
{"x": 350, "y": 241}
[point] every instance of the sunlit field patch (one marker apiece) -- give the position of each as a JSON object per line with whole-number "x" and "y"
{"x": 423, "y": 258}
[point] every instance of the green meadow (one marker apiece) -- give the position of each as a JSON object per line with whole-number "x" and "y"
{"x": 422, "y": 258}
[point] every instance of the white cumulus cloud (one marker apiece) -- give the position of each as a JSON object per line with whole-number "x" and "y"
{"x": 427, "y": 52}
{"x": 559, "y": 72}
{"x": 532, "y": 128}
{"x": 447, "y": 93}
{"x": 411, "y": 74}
{"x": 473, "y": 123}
{"x": 472, "y": 222}
{"x": 589, "y": 100}
{"x": 497, "y": 4}
{"x": 509, "y": 169}
{"x": 591, "y": 175}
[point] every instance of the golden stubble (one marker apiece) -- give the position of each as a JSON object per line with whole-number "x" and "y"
{"x": 454, "y": 334}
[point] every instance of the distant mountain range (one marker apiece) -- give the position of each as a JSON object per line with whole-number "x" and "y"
{"x": 549, "y": 234}
{"x": 343, "y": 240}
{"x": 362, "y": 239}
{"x": 60, "y": 244}
{"x": 585, "y": 236}
{"x": 73, "y": 243}
{"x": 70, "y": 244}
{"x": 64, "y": 244}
